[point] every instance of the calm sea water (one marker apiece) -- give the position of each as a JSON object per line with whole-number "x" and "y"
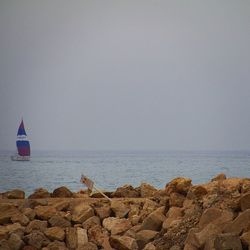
{"x": 110, "y": 170}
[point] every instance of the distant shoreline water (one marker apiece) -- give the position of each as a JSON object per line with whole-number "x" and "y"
{"x": 112, "y": 169}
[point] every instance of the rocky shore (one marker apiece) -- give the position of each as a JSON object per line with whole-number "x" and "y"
{"x": 214, "y": 215}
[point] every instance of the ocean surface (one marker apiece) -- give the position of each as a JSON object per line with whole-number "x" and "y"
{"x": 112, "y": 169}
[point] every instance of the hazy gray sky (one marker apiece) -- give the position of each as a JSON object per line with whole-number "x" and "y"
{"x": 132, "y": 74}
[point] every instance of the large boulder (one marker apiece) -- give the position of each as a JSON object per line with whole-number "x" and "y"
{"x": 179, "y": 185}
{"x": 126, "y": 191}
{"x": 62, "y": 192}
{"x": 40, "y": 193}
{"x": 116, "y": 225}
{"x": 123, "y": 243}
{"x": 14, "y": 194}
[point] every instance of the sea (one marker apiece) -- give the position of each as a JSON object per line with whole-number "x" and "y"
{"x": 112, "y": 169}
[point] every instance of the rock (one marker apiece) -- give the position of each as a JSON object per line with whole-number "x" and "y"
{"x": 126, "y": 191}
{"x": 14, "y": 194}
{"x": 6, "y": 212}
{"x": 154, "y": 220}
{"x": 62, "y": 192}
{"x": 62, "y": 206}
{"x": 149, "y": 246}
{"x": 30, "y": 213}
{"x": 192, "y": 247}
{"x": 90, "y": 222}
{"x": 245, "y": 238}
{"x": 4, "y": 245}
{"x": 245, "y": 187}
{"x": 29, "y": 248}
{"x": 103, "y": 212}
{"x": 97, "y": 234}
{"x": 145, "y": 236}
{"x": 219, "y": 177}
{"x": 116, "y": 225}
{"x": 82, "y": 212}
{"x": 149, "y": 206}
{"x": 173, "y": 214}
{"x": 36, "y": 239}
{"x": 147, "y": 190}
{"x": 245, "y": 201}
{"x": 227, "y": 241}
{"x": 55, "y": 233}
{"x": 175, "y": 247}
{"x": 71, "y": 237}
{"x": 36, "y": 225}
{"x": 82, "y": 237}
{"x": 215, "y": 216}
{"x": 15, "y": 228}
{"x": 59, "y": 221}
{"x": 123, "y": 243}
{"x": 207, "y": 232}
{"x": 45, "y": 212}
{"x": 15, "y": 242}
{"x": 196, "y": 192}
{"x": 89, "y": 246}
{"x": 4, "y": 233}
{"x": 40, "y": 193}
{"x": 176, "y": 200}
{"x": 178, "y": 185}
{"x": 239, "y": 223}
{"x": 32, "y": 203}
{"x": 56, "y": 245}
{"x": 21, "y": 218}
{"x": 119, "y": 208}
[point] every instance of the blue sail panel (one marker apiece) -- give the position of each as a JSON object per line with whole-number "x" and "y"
{"x": 21, "y": 130}
{"x": 23, "y": 147}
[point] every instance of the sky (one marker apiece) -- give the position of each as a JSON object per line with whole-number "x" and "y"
{"x": 125, "y": 75}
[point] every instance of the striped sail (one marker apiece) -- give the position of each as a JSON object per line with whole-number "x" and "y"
{"x": 22, "y": 143}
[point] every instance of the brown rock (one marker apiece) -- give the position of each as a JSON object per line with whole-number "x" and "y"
{"x": 4, "y": 233}
{"x": 227, "y": 241}
{"x": 245, "y": 187}
{"x": 55, "y": 233}
{"x": 32, "y": 203}
{"x": 245, "y": 201}
{"x": 145, "y": 236}
{"x": 59, "y": 221}
{"x": 119, "y": 208}
{"x": 103, "y": 212}
{"x": 97, "y": 234}
{"x": 30, "y": 213}
{"x": 123, "y": 243}
{"x": 116, "y": 225}
{"x": 147, "y": 190}
{"x": 71, "y": 237}
{"x": 176, "y": 200}
{"x": 36, "y": 239}
{"x": 178, "y": 185}
{"x": 14, "y": 194}
{"x": 149, "y": 246}
{"x": 82, "y": 237}
{"x": 62, "y": 206}
{"x": 6, "y": 212}
{"x": 125, "y": 191}
{"x": 175, "y": 247}
{"x": 219, "y": 177}
{"x": 245, "y": 238}
{"x": 29, "y": 248}
{"x": 239, "y": 223}
{"x": 36, "y": 225}
{"x": 45, "y": 212}
{"x": 40, "y": 193}
{"x": 4, "y": 245}
{"x": 62, "y": 192}
{"x": 82, "y": 212}
{"x": 196, "y": 192}
{"x": 56, "y": 245}
{"x": 15, "y": 242}
{"x": 21, "y": 218}
{"x": 15, "y": 228}
{"x": 149, "y": 206}
{"x": 90, "y": 222}
{"x": 154, "y": 220}
{"x": 89, "y": 246}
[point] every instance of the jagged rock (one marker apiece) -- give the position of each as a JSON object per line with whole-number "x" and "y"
{"x": 21, "y": 218}
{"x": 62, "y": 192}
{"x": 82, "y": 237}
{"x": 239, "y": 223}
{"x": 176, "y": 200}
{"x": 125, "y": 191}
{"x": 6, "y": 212}
{"x": 82, "y": 212}
{"x": 30, "y": 213}
{"x": 219, "y": 177}
{"x": 45, "y": 212}
{"x": 90, "y": 222}
{"x": 149, "y": 206}
{"x": 103, "y": 212}
{"x": 15, "y": 228}
{"x": 15, "y": 242}
{"x": 56, "y": 245}
{"x": 178, "y": 185}
{"x": 154, "y": 220}
{"x": 32, "y": 203}
{"x": 145, "y": 236}
{"x": 14, "y": 194}
{"x": 227, "y": 241}
{"x": 196, "y": 192}
{"x": 245, "y": 238}
{"x": 62, "y": 206}
{"x": 123, "y": 243}
{"x": 89, "y": 246}
{"x": 245, "y": 187}
{"x": 40, "y": 193}
{"x": 119, "y": 208}
{"x": 97, "y": 234}
{"x": 215, "y": 216}
{"x": 55, "y": 233}
{"x": 245, "y": 201}
{"x": 147, "y": 190}
{"x": 173, "y": 214}
{"x": 116, "y": 225}
{"x": 149, "y": 246}
{"x": 58, "y": 221}
{"x": 71, "y": 237}
{"x": 36, "y": 225}
{"x": 36, "y": 239}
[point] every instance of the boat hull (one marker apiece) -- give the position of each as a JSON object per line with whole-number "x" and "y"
{"x": 20, "y": 158}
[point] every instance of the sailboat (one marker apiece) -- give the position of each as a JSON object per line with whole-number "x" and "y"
{"x": 22, "y": 144}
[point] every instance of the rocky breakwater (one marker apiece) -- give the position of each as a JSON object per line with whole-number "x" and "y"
{"x": 211, "y": 216}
